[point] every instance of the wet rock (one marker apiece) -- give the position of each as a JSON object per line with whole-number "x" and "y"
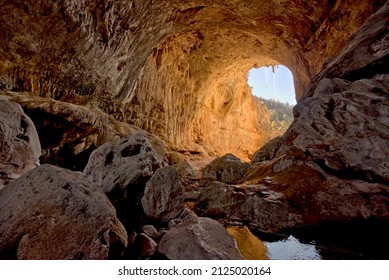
{"x": 163, "y": 197}
{"x": 53, "y": 213}
{"x": 198, "y": 240}
{"x": 19, "y": 143}
{"x": 122, "y": 169}
{"x": 228, "y": 169}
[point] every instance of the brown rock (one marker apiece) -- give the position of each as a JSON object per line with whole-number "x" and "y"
{"x": 163, "y": 197}
{"x": 19, "y": 143}
{"x": 69, "y": 133}
{"x": 199, "y": 240}
{"x": 228, "y": 169}
{"x": 53, "y": 213}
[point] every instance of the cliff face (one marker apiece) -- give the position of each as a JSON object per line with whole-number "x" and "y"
{"x": 174, "y": 69}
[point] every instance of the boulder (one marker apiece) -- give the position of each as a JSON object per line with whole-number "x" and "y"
{"x": 199, "y": 239}
{"x": 228, "y": 169}
{"x": 122, "y": 169}
{"x": 216, "y": 198}
{"x": 164, "y": 196}
{"x": 69, "y": 133}
{"x": 53, "y": 213}
{"x": 19, "y": 143}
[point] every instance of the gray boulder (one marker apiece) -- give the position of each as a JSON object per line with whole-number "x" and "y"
{"x": 228, "y": 169}
{"x": 199, "y": 239}
{"x": 53, "y": 213}
{"x": 19, "y": 142}
{"x": 164, "y": 196}
{"x": 122, "y": 169}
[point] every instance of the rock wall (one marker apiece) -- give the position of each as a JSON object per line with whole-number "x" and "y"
{"x": 180, "y": 73}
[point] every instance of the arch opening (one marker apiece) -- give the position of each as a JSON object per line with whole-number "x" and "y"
{"x": 273, "y": 86}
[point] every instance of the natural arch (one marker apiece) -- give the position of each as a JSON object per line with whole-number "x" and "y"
{"x": 180, "y": 73}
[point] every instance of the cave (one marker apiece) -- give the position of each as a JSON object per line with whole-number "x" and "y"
{"x": 91, "y": 72}
{"x": 146, "y": 70}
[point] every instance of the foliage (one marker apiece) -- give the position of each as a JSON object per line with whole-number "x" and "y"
{"x": 281, "y": 114}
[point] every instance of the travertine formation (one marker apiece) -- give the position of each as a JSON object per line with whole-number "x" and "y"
{"x": 176, "y": 69}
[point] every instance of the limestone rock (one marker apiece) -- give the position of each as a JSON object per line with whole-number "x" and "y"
{"x": 70, "y": 133}
{"x": 163, "y": 197}
{"x": 53, "y": 213}
{"x": 122, "y": 169}
{"x": 203, "y": 239}
{"x": 228, "y": 169}
{"x": 19, "y": 143}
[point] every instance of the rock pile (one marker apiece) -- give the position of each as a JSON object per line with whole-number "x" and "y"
{"x": 126, "y": 204}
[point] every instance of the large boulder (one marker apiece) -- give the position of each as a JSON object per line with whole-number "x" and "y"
{"x": 53, "y": 213}
{"x": 199, "y": 239}
{"x": 19, "y": 143}
{"x": 228, "y": 169}
{"x": 164, "y": 196}
{"x": 122, "y": 169}
{"x": 69, "y": 133}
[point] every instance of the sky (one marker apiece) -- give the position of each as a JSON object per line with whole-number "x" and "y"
{"x": 278, "y": 85}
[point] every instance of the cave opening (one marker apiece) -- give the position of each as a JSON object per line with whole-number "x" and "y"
{"x": 274, "y": 87}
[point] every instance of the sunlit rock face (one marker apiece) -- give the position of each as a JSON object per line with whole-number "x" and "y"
{"x": 176, "y": 69}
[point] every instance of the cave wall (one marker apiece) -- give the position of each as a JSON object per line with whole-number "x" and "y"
{"x": 175, "y": 69}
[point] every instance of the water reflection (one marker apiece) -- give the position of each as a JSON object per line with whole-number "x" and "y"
{"x": 291, "y": 249}
{"x": 353, "y": 240}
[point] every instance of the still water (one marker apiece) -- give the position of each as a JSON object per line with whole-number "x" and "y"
{"x": 291, "y": 249}
{"x": 367, "y": 240}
